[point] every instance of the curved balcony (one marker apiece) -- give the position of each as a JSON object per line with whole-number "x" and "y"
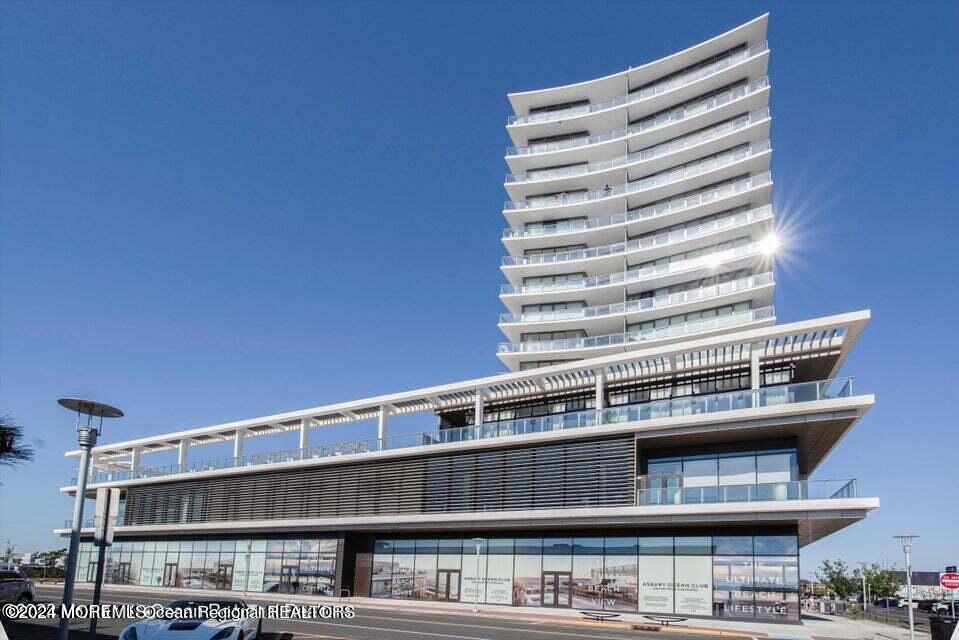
{"x": 602, "y": 259}
{"x": 705, "y": 143}
{"x": 618, "y": 341}
{"x": 662, "y": 120}
{"x": 646, "y": 93}
{"x": 647, "y": 186}
{"x": 593, "y": 289}
{"x": 607, "y": 317}
{"x": 678, "y": 209}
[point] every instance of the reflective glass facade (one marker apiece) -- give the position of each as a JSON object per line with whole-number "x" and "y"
{"x": 733, "y": 576}
{"x": 297, "y": 565}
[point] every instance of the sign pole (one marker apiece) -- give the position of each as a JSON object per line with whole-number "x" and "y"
{"x": 108, "y": 501}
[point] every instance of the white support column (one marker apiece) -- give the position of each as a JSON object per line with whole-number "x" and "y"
{"x": 181, "y": 452}
{"x": 135, "y": 459}
{"x": 600, "y": 376}
{"x": 238, "y": 437}
{"x": 754, "y": 377}
{"x": 381, "y": 425}
{"x": 478, "y": 407}
{"x": 305, "y": 432}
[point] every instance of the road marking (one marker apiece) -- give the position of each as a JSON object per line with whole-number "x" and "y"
{"x": 446, "y": 635}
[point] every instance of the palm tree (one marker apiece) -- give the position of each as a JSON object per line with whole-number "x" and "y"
{"x": 12, "y": 449}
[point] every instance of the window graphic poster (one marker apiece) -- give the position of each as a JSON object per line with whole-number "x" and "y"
{"x": 474, "y": 587}
{"x": 240, "y": 570}
{"x": 257, "y": 569}
{"x": 656, "y": 584}
{"x": 499, "y": 579}
{"x": 694, "y": 585}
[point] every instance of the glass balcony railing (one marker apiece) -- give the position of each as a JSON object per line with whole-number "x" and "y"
{"x": 647, "y": 124}
{"x": 669, "y": 176}
{"x": 659, "y": 302}
{"x": 730, "y": 401}
{"x": 708, "y": 260}
{"x": 640, "y": 335}
{"x": 657, "y": 151}
{"x": 86, "y": 523}
{"x": 761, "y": 492}
{"x": 673, "y": 205}
{"x": 716, "y": 403}
{"x": 647, "y": 92}
{"x": 741, "y": 218}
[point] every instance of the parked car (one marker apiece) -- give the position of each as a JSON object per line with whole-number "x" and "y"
{"x": 941, "y": 608}
{"x": 886, "y": 603}
{"x": 15, "y": 587}
{"x": 201, "y": 628}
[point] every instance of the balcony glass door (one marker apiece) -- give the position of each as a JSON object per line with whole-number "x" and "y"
{"x": 556, "y": 589}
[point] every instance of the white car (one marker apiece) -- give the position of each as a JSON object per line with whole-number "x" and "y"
{"x": 200, "y": 627}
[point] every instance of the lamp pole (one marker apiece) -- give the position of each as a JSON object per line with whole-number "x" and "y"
{"x": 478, "y": 542}
{"x": 906, "y": 540}
{"x": 88, "y": 429}
{"x": 863, "y": 571}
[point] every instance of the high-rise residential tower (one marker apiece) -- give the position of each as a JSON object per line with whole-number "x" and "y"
{"x": 655, "y": 448}
{"x": 639, "y": 206}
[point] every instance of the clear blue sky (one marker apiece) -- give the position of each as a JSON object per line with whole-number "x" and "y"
{"x": 214, "y": 211}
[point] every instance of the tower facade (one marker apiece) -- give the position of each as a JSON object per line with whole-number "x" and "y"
{"x": 639, "y": 206}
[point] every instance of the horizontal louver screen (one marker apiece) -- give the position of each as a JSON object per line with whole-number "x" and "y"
{"x": 594, "y": 473}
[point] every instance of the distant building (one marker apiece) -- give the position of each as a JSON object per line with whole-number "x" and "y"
{"x": 925, "y": 585}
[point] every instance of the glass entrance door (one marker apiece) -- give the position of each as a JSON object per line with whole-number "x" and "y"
{"x": 224, "y": 576}
{"x": 169, "y": 574}
{"x": 556, "y": 589}
{"x": 289, "y": 579}
{"x": 123, "y": 573}
{"x": 448, "y": 585}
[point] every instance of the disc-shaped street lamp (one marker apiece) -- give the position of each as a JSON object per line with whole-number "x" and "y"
{"x": 90, "y": 416}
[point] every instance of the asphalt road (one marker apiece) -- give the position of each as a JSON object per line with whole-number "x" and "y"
{"x": 368, "y": 624}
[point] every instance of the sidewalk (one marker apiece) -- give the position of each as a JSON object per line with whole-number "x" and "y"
{"x": 814, "y": 626}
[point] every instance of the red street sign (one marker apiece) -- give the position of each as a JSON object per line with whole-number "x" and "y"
{"x": 949, "y": 580}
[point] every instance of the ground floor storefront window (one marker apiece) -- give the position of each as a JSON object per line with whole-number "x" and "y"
{"x": 297, "y": 565}
{"x": 734, "y": 576}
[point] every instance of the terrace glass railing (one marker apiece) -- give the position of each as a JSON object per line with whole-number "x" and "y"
{"x": 640, "y": 335}
{"x": 647, "y": 92}
{"x": 632, "y": 306}
{"x": 716, "y": 403}
{"x": 707, "y": 260}
{"x": 647, "y": 124}
{"x": 673, "y": 205}
{"x": 669, "y": 176}
{"x": 666, "y": 148}
{"x": 761, "y": 492}
{"x": 739, "y": 219}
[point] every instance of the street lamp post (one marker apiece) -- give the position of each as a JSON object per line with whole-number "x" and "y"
{"x": 88, "y": 429}
{"x": 865, "y": 606}
{"x": 478, "y": 542}
{"x": 906, "y": 541}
